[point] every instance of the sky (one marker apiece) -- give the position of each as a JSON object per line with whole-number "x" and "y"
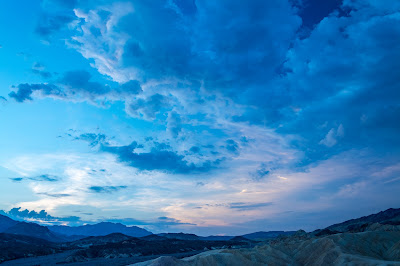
{"x": 197, "y": 116}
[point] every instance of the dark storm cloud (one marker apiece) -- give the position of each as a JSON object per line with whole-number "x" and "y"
{"x": 345, "y": 96}
{"x": 210, "y": 48}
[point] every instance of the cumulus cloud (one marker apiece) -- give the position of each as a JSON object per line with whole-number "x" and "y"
{"x": 279, "y": 74}
{"x": 41, "y": 216}
{"x": 277, "y": 77}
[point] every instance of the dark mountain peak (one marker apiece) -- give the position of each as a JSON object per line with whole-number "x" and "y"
{"x": 359, "y": 224}
{"x": 267, "y": 235}
{"x": 109, "y": 224}
{"x": 33, "y": 230}
{"x": 6, "y": 222}
{"x": 239, "y": 238}
{"x": 25, "y": 226}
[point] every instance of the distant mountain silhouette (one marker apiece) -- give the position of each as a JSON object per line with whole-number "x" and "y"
{"x": 267, "y": 235}
{"x": 389, "y": 216}
{"x": 34, "y": 230}
{"x": 181, "y": 236}
{"x": 216, "y": 238}
{"x": 239, "y": 238}
{"x": 100, "y": 229}
{"x": 6, "y": 222}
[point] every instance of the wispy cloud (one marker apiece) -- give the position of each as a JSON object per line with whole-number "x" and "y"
{"x": 106, "y": 189}
{"x": 45, "y": 177}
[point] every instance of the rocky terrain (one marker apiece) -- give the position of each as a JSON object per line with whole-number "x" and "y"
{"x": 370, "y": 240}
{"x": 19, "y": 246}
{"x": 364, "y": 248}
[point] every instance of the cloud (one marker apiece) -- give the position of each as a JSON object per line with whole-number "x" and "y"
{"x": 208, "y": 48}
{"x": 174, "y": 124}
{"x": 74, "y": 86}
{"x": 331, "y": 137}
{"x": 147, "y": 108}
{"x": 17, "y": 179}
{"x": 338, "y": 87}
{"x": 106, "y": 189}
{"x": 55, "y": 195}
{"x": 262, "y": 172}
{"x": 232, "y": 145}
{"x": 49, "y": 24}
{"x": 39, "y": 178}
{"x": 42, "y": 216}
{"x": 303, "y": 91}
{"x": 158, "y": 158}
{"x": 25, "y": 91}
{"x": 164, "y": 221}
{"x": 40, "y": 70}
{"x": 248, "y": 206}
{"x": 92, "y": 138}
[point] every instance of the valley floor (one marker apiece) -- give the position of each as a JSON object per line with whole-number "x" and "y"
{"x": 60, "y": 258}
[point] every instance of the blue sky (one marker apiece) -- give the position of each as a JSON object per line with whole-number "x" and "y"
{"x": 210, "y": 117}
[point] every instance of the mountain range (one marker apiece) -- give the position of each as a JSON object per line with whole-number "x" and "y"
{"x": 99, "y": 229}
{"x": 63, "y": 233}
{"x": 368, "y": 240}
{"x": 58, "y": 233}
